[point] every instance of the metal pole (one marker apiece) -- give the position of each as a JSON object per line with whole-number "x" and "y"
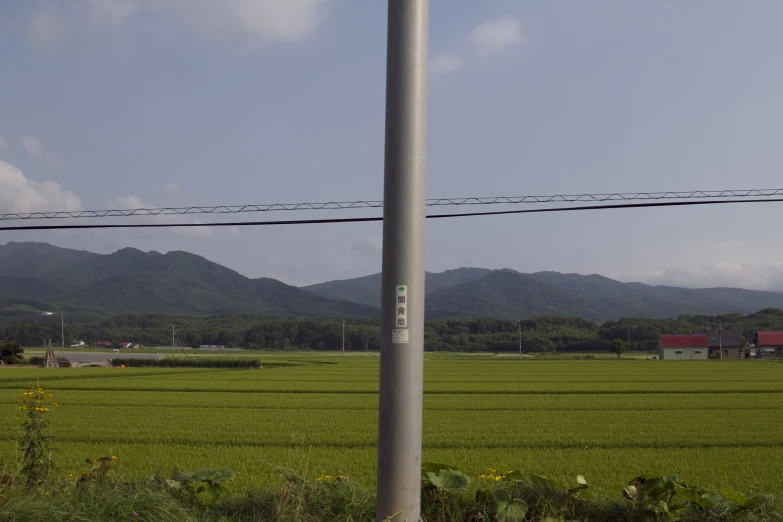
{"x": 402, "y": 307}
{"x": 343, "y": 338}
{"x": 520, "y": 340}
{"x": 62, "y": 334}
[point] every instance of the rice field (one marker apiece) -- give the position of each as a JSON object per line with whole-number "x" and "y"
{"x": 711, "y": 422}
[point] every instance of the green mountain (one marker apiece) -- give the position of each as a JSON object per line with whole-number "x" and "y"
{"x": 507, "y": 294}
{"x": 618, "y": 299}
{"x": 37, "y": 259}
{"x": 513, "y": 295}
{"x": 36, "y": 277}
{"x": 367, "y": 289}
{"x": 130, "y": 280}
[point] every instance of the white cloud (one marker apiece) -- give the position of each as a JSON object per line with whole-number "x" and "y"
{"x": 496, "y": 35}
{"x": 20, "y": 194}
{"x": 132, "y": 202}
{"x": 369, "y": 246}
{"x": 171, "y": 187}
{"x": 45, "y": 31}
{"x": 445, "y": 63}
{"x": 486, "y": 39}
{"x": 3, "y": 143}
{"x": 229, "y": 21}
{"x": 111, "y": 12}
{"x": 735, "y": 275}
{"x": 251, "y": 20}
{"x": 205, "y": 232}
{"x": 33, "y": 146}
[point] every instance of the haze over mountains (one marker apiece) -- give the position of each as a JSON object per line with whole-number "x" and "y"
{"x": 36, "y": 277}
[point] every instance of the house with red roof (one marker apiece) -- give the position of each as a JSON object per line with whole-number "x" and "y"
{"x": 684, "y": 347}
{"x": 769, "y": 345}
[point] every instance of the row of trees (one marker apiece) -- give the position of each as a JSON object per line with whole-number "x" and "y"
{"x": 539, "y": 334}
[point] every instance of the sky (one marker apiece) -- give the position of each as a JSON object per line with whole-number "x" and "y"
{"x": 150, "y": 103}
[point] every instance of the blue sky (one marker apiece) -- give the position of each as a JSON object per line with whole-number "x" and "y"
{"x": 126, "y": 103}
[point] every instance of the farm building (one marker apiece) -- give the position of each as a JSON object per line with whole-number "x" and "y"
{"x": 684, "y": 347}
{"x": 725, "y": 344}
{"x": 769, "y": 345}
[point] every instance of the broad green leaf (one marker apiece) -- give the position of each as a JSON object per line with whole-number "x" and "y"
{"x": 507, "y": 508}
{"x": 710, "y": 500}
{"x": 448, "y": 480}
{"x": 585, "y": 493}
{"x": 740, "y": 499}
{"x": 547, "y": 480}
{"x": 630, "y": 493}
{"x": 434, "y": 467}
{"x": 581, "y": 480}
{"x": 514, "y": 476}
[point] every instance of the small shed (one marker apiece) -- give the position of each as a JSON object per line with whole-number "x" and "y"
{"x": 769, "y": 345}
{"x": 684, "y": 347}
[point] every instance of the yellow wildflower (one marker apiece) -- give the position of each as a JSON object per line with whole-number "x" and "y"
{"x": 113, "y": 457}
{"x": 498, "y": 478}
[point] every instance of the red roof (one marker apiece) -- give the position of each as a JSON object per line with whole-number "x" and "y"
{"x": 684, "y": 341}
{"x": 769, "y": 338}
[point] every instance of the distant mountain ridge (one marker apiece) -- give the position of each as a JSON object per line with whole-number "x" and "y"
{"x": 367, "y": 289}
{"x": 37, "y": 276}
{"x": 510, "y": 294}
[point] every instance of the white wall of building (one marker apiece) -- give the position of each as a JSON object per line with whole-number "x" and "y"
{"x": 684, "y": 354}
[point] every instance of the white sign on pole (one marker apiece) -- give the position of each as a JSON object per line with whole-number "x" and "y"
{"x": 400, "y": 331}
{"x": 400, "y": 336}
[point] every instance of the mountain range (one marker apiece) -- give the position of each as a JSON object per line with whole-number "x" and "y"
{"x": 466, "y": 292}
{"x": 42, "y": 277}
{"x": 38, "y": 277}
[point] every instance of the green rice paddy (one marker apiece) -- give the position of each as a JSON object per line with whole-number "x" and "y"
{"x": 711, "y": 422}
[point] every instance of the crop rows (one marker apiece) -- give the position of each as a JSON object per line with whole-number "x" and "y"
{"x": 432, "y": 402}
{"x": 718, "y": 422}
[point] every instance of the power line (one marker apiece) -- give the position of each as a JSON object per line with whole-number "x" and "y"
{"x": 370, "y": 219}
{"x": 435, "y": 202}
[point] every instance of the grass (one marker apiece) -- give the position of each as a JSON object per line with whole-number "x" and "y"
{"x": 712, "y": 422}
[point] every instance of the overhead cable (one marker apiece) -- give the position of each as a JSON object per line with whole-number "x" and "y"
{"x": 370, "y": 219}
{"x": 435, "y": 202}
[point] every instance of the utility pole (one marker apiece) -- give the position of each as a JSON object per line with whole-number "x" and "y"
{"x": 343, "y": 339}
{"x": 172, "y": 339}
{"x": 402, "y": 287}
{"x": 520, "y": 339}
{"x": 720, "y": 340}
{"x": 62, "y": 333}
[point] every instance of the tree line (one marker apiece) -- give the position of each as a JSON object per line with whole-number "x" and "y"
{"x": 538, "y": 334}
